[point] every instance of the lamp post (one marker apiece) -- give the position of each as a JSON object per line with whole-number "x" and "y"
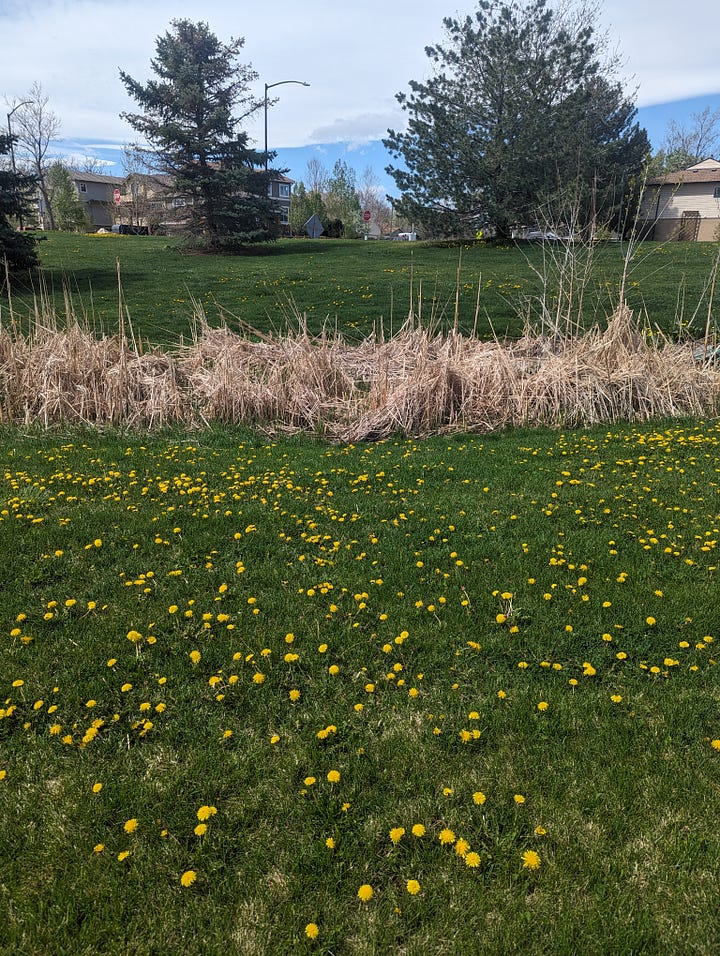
{"x": 12, "y": 151}
{"x": 269, "y": 86}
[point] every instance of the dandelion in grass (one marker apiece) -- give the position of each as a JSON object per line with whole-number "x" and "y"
{"x": 333, "y": 776}
{"x": 531, "y": 860}
{"x": 479, "y": 798}
{"x": 98, "y": 848}
{"x": 309, "y": 781}
{"x": 294, "y": 695}
{"x": 616, "y": 698}
{"x": 188, "y": 878}
{"x": 123, "y": 855}
{"x": 365, "y": 892}
{"x": 97, "y": 787}
{"x": 540, "y": 831}
{"x": 472, "y": 859}
{"x": 543, "y": 705}
{"x": 201, "y": 829}
{"x": 715, "y": 744}
{"x": 330, "y": 843}
{"x": 418, "y": 830}
{"x": 312, "y": 931}
{"x": 446, "y": 836}
{"x": 519, "y": 799}
{"x": 413, "y": 887}
{"x": 195, "y": 656}
{"x": 205, "y": 812}
{"x": 462, "y": 847}
{"x": 131, "y": 825}
{"x": 396, "y": 834}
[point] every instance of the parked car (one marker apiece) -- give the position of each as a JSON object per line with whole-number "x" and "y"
{"x": 544, "y": 235}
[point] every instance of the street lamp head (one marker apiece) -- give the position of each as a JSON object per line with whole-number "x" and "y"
{"x": 269, "y": 86}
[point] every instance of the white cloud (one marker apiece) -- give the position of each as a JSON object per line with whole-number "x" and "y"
{"x": 355, "y": 55}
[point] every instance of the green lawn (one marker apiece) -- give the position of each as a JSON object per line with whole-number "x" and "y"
{"x": 353, "y": 286}
{"x": 475, "y": 677}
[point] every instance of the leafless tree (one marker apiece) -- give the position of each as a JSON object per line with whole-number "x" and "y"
{"x": 36, "y": 127}
{"x": 316, "y": 177}
{"x": 372, "y": 198}
{"x": 697, "y": 141}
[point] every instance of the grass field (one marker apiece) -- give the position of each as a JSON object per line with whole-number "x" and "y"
{"x": 457, "y": 696}
{"x": 355, "y": 286}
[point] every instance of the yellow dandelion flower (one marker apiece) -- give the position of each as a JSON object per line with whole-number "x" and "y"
{"x": 413, "y": 887}
{"x": 98, "y": 848}
{"x": 311, "y": 931}
{"x": 333, "y": 776}
{"x": 201, "y": 829}
{"x": 123, "y": 855}
{"x": 472, "y": 859}
{"x": 396, "y": 834}
{"x": 365, "y": 892}
{"x": 418, "y": 830}
{"x": 330, "y": 843}
{"x": 479, "y": 798}
{"x": 294, "y": 694}
{"x": 97, "y": 787}
{"x": 446, "y": 835}
{"x": 205, "y": 812}
{"x": 195, "y": 656}
{"x": 715, "y": 744}
{"x": 131, "y": 825}
{"x": 188, "y": 878}
{"x": 519, "y": 798}
{"x": 530, "y": 860}
{"x": 462, "y": 847}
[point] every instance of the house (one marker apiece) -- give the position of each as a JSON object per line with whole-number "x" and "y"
{"x": 684, "y": 206}
{"x": 96, "y": 192}
{"x": 279, "y": 189}
{"x": 150, "y": 202}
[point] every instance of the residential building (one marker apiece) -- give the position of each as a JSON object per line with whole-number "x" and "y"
{"x": 683, "y": 206}
{"x": 150, "y": 202}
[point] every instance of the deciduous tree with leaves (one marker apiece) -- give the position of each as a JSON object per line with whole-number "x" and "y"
{"x": 522, "y": 110}
{"x": 190, "y": 123}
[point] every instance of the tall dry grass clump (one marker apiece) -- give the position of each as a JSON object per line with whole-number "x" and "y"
{"x": 415, "y": 383}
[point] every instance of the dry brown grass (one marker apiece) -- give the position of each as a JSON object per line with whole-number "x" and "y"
{"x": 416, "y": 383}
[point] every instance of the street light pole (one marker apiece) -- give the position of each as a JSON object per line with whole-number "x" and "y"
{"x": 12, "y": 151}
{"x": 269, "y": 86}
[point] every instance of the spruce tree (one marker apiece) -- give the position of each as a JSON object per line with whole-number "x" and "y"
{"x": 522, "y": 114}
{"x": 191, "y": 128}
{"x": 16, "y": 191}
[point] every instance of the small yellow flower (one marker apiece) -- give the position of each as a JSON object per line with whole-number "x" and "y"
{"x": 201, "y": 829}
{"x": 309, "y": 781}
{"x": 462, "y": 847}
{"x": 413, "y": 887}
{"x": 333, "y": 776}
{"x": 531, "y": 860}
{"x": 446, "y": 835}
{"x": 123, "y": 855}
{"x": 366, "y": 892}
{"x": 330, "y": 843}
{"x": 294, "y": 694}
{"x": 98, "y": 848}
{"x": 311, "y": 931}
{"x": 540, "y": 831}
{"x": 418, "y": 830}
{"x": 650, "y": 621}
{"x": 97, "y": 787}
{"x": 130, "y": 825}
{"x": 543, "y": 705}
{"x": 715, "y": 744}
{"x": 519, "y": 798}
{"x": 195, "y": 657}
{"x": 472, "y": 859}
{"x": 205, "y": 812}
{"x": 396, "y": 834}
{"x": 188, "y": 878}
{"x": 479, "y": 798}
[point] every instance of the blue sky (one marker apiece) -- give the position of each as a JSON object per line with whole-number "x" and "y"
{"x": 355, "y": 55}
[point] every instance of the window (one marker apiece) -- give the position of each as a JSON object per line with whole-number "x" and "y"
{"x": 270, "y": 189}
{"x": 177, "y": 202}
{"x": 83, "y": 187}
{"x": 284, "y": 217}
{"x": 716, "y": 192}
{"x": 284, "y": 190}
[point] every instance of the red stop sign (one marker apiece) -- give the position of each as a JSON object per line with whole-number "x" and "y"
{"x": 366, "y": 215}
{"x": 116, "y": 196}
